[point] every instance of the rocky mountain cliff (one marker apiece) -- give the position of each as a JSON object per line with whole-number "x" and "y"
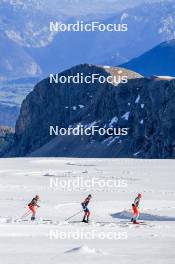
{"x": 145, "y": 106}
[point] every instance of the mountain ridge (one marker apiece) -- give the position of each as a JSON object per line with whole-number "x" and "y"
{"x": 160, "y": 60}
{"x": 143, "y": 105}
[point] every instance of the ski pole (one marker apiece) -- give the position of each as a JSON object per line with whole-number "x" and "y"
{"x": 74, "y": 215}
{"x": 26, "y": 214}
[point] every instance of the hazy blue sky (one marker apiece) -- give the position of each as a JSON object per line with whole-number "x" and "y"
{"x": 92, "y": 6}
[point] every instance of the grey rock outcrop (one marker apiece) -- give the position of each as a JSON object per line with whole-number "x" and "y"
{"x": 145, "y": 106}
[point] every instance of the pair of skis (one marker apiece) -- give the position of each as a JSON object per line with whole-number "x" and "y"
{"x": 103, "y": 222}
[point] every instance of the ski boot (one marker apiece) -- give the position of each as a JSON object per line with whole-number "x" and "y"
{"x": 136, "y": 222}
{"x": 84, "y": 220}
{"x": 32, "y": 218}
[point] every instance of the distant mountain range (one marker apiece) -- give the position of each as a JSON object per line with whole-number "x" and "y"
{"x": 79, "y": 8}
{"x": 158, "y": 61}
{"x": 145, "y": 30}
{"x": 15, "y": 62}
{"x": 29, "y": 49}
{"x": 21, "y": 28}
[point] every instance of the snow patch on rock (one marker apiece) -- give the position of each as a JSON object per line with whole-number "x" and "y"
{"x": 137, "y": 99}
{"x": 141, "y": 121}
{"x": 114, "y": 120}
{"x": 126, "y": 116}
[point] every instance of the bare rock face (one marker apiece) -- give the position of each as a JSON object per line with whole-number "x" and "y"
{"x": 144, "y": 106}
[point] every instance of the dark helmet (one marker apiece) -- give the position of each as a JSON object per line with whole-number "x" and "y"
{"x": 37, "y": 197}
{"x": 89, "y": 195}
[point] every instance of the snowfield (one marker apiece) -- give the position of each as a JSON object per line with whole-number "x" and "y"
{"x": 62, "y": 184}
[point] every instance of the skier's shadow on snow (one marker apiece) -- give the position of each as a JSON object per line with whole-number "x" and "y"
{"x": 149, "y": 217}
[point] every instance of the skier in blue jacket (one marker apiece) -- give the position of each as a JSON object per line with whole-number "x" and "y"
{"x": 85, "y": 208}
